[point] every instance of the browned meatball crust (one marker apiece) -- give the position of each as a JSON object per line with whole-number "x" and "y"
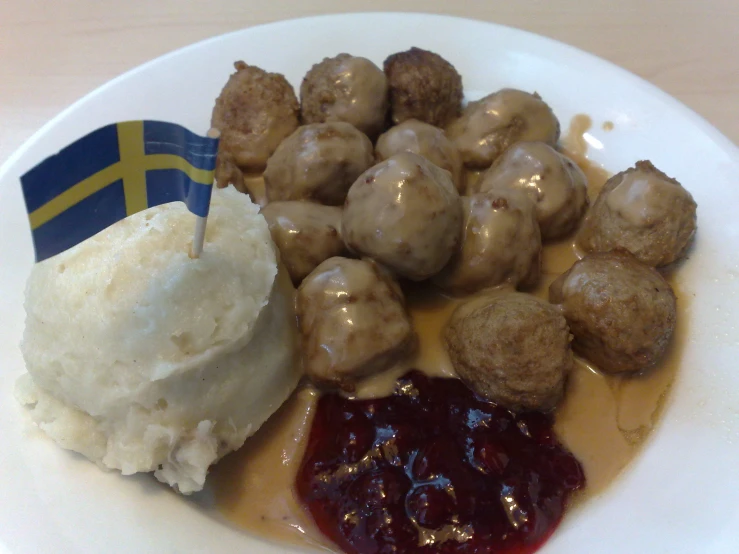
{"x": 346, "y": 88}
{"x": 318, "y": 162}
{"x": 352, "y": 320}
{"x": 405, "y": 214}
{"x": 423, "y": 139}
{"x": 622, "y": 313}
{"x": 423, "y": 86}
{"x": 254, "y": 112}
{"x": 305, "y": 233}
{"x": 512, "y": 348}
{"x": 228, "y": 173}
{"x": 501, "y": 243}
{"x": 644, "y": 211}
{"x": 555, "y": 184}
{"x": 490, "y": 125}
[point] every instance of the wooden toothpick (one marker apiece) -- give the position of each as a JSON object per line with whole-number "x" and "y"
{"x": 198, "y": 239}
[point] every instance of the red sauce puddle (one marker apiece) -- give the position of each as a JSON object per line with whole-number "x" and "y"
{"x": 434, "y": 469}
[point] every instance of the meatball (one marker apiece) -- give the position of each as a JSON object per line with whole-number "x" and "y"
{"x": 305, "y": 233}
{"x": 406, "y": 214}
{"x": 424, "y": 139}
{"x": 228, "y": 173}
{"x": 352, "y": 321}
{"x": 490, "y": 125}
{"x": 254, "y": 112}
{"x": 512, "y": 348}
{"x": 423, "y": 86}
{"x": 644, "y": 211}
{"x": 500, "y": 243}
{"x": 555, "y": 183}
{"x": 318, "y": 162}
{"x": 346, "y": 88}
{"x": 622, "y": 313}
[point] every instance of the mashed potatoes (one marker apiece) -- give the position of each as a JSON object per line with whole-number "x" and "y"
{"x": 143, "y": 359}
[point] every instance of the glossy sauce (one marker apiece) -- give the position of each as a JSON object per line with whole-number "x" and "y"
{"x": 424, "y": 139}
{"x": 477, "y": 133}
{"x": 255, "y": 186}
{"x": 603, "y": 420}
{"x": 254, "y": 486}
{"x": 574, "y": 146}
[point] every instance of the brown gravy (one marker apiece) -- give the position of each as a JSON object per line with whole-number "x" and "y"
{"x": 574, "y": 146}
{"x": 603, "y": 420}
{"x": 253, "y": 486}
{"x": 254, "y": 185}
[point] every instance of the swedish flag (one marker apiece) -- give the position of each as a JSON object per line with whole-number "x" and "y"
{"x": 112, "y": 173}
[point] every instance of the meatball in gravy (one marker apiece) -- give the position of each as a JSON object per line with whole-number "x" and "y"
{"x": 423, "y": 86}
{"x": 644, "y": 211}
{"x": 305, "y": 233}
{"x": 318, "y": 162}
{"x": 512, "y": 348}
{"x": 404, "y": 213}
{"x": 423, "y": 139}
{"x": 352, "y": 320}
{"x": 490, "y": 125}
{"x": 622, "y": 313}
{"x": 501, "y": 243}
{"x": 346, "y": 88}
{"x": 255, "y": 111}
{"x": 555, "y": 183}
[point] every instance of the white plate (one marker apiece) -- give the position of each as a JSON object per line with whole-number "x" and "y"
{"x": 680, "y": 495}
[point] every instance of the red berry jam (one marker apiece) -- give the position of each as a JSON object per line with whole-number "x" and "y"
{"x": 434, "y": 469}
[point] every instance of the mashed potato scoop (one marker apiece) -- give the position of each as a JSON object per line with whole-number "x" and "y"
{"x": 145, "y": 360}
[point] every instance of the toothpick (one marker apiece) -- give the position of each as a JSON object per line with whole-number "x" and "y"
{"x": 198, "y": 239}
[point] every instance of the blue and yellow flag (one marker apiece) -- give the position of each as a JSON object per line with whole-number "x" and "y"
{"x": 112, "y": 173}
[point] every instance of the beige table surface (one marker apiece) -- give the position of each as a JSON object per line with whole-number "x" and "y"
{"x": 52, "y": 52}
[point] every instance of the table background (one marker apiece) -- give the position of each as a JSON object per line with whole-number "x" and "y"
{"x": 52, "y": 52}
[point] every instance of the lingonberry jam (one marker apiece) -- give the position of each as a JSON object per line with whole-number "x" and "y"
{"x": 434, "y": 469}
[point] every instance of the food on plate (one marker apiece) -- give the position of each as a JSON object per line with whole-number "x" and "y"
{"x": 406, "y": 214}
{"x": 512, "y": 348}
{"x": 434, "y": 468}
{"x": 228, "y": 173}
{"x": 622, "y": 313}
{"x": 352, "y": 320}
{"x": 436, "y": 465}
{"x": 346, "y": 88}
{"x": 490, "y": 125}
{"x": 554, "y": 182}
{"x": 145, "y": 360}
{"x": 254, "y": 112}
{"x": 501, "y": 243}
{"x": 424, "y": 86}
{"x": 305, "y": 233}
{"x": 318, "y": 162}
{"x": 426, "y": 140}
{"x": 644, "y": 211}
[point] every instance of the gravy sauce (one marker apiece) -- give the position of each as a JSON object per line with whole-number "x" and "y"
{"x": 574, "y": 146}
{"x": 603, "y": 420}
{"x": 254, "y": 486}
